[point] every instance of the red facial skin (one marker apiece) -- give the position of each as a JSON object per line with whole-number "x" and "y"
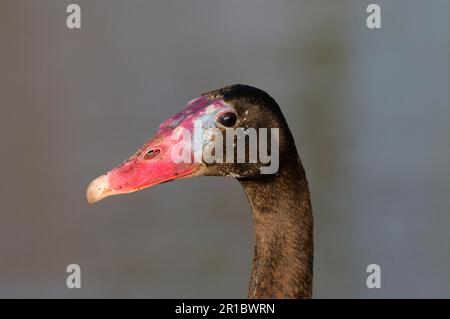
{"x": 138, "y": 172}
{"x": 141, "y": 171}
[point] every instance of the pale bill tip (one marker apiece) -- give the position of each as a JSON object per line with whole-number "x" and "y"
{"x": 97, "y": 189}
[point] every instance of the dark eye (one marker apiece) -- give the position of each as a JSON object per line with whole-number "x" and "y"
{"x": 227, "y": 119}
{"x": 152, "y": 153}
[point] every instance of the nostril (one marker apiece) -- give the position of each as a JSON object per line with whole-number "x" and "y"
{"x": 151, "y": 154}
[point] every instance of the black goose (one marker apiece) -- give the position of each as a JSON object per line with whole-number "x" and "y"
{"x": 280, "y": 202}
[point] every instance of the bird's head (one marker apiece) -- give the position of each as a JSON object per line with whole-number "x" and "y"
{"x": 195, "y": 142}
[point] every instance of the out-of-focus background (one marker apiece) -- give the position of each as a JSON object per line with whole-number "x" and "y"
{"x": 369, "y": 110}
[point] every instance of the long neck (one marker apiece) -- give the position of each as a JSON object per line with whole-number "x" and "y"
{"x": 282, "y": 216}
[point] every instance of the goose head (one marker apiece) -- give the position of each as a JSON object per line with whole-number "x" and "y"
{"x": 235, "y": 131}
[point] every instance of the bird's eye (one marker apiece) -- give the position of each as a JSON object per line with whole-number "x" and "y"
{"x": 151, "y": 154}
{"x": 227, "y": 119}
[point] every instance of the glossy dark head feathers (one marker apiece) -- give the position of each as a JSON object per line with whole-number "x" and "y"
{"x": 245, "y": 97}
{"x": 255, "y": 109}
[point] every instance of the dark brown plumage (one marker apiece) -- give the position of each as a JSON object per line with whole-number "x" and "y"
{"x": 280, "y": 202}
{"x": 281, "y": 207}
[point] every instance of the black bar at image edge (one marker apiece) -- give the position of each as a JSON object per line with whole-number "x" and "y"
{"x": 222, "y": 308}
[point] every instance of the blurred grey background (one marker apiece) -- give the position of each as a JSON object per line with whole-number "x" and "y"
{"x": 369, "y": 110}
